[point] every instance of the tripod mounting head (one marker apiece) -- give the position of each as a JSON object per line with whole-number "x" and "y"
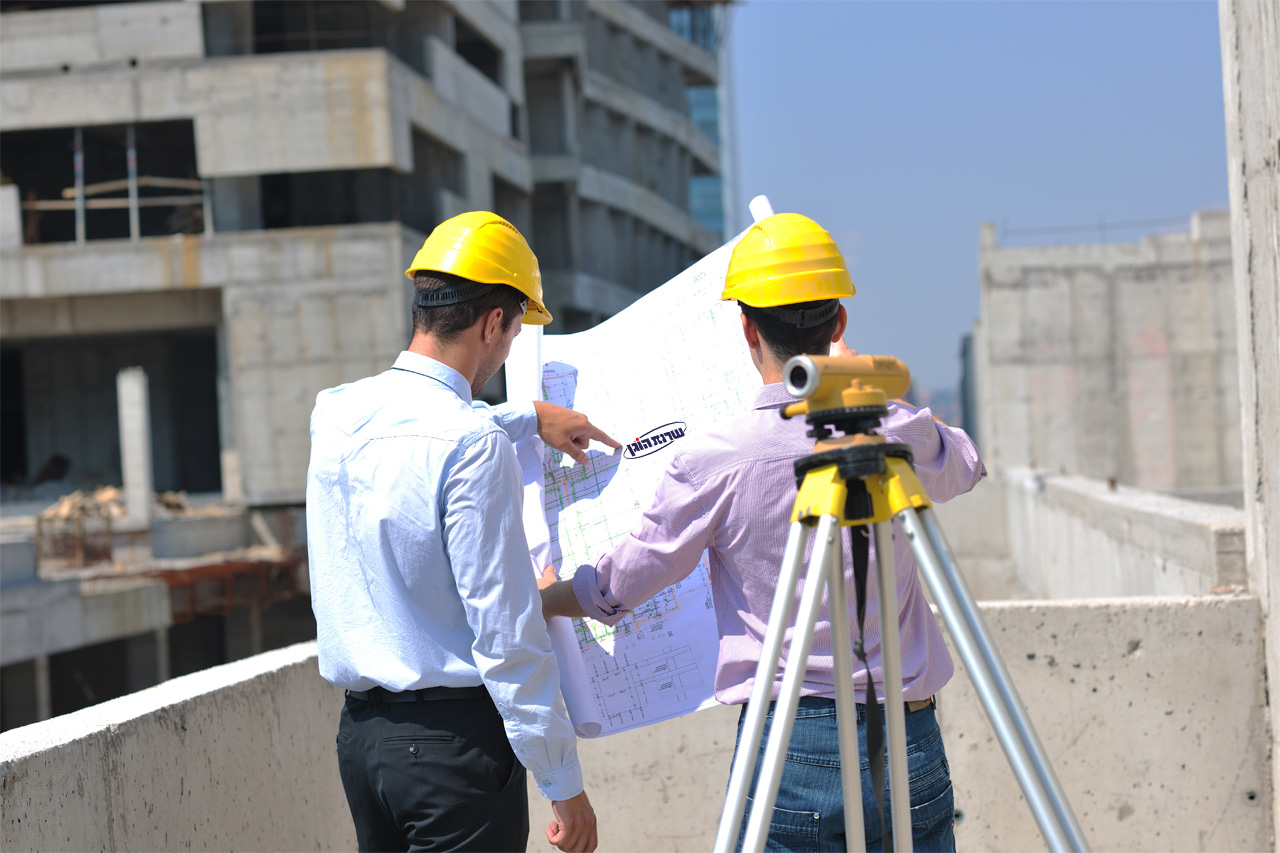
{"x": 848, "y": 393}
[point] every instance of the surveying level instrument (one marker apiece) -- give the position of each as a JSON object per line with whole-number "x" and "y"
{"x": 853, "y": 480}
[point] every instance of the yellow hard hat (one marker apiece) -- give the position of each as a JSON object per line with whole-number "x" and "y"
{"x": 784, "y": 259}
{"x": 485, "y": 248}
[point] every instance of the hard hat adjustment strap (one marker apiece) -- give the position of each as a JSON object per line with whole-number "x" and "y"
{"x": 450, "y": 294}
{"x": 807, "y": 318}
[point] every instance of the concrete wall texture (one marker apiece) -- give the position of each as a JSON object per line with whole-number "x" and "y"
{"x": 1112, "y": 360}
{"x": 1251, "y": 92}
{"x": 1158, "y": 748}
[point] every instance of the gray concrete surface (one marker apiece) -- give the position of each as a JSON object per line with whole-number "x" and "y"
{"x": 1034, "y": 534}
{"x": 1147, "y": 706}
{"x": 1251, "y": 92}
{"x": 46, "y": 617}
{"x": 1114, "y": 361}
{"x": 240, "y": 756}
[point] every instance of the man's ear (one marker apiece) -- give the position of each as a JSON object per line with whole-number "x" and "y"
{"x": 842, "y": 321}
{"x": 491, "y": 325}
{"x": 750, "y": 332}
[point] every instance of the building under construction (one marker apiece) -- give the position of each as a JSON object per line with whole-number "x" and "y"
{"x": 225, "y": 195}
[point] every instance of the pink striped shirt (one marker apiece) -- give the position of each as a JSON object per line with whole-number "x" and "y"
{"x": 730, "y": 491}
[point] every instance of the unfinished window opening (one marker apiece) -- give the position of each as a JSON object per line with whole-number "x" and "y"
{"x": 69, "y": 410}
{"x": 106, "y": 182}
{"x": 312, "y": 199}
{"x": 285, "y": 26}
{"x": 477, "y": 51}
{"x": 512, "y": 204}
{"x": 13, "y": 424}
{"x": 241, "y": 27}
{"x": 437, "y": 168}
{"x": 539, "y": 10}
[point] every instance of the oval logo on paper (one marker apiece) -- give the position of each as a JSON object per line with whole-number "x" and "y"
{"x": 654, "y": 440}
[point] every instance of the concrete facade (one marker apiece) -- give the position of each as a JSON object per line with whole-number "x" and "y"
{"x": 1106, "y": 683}
{"x": 432, "y": 117}
{"x": 1251, "y": 92}
{"x": 1115, "y": 361}
{"x": 614, "y": 150}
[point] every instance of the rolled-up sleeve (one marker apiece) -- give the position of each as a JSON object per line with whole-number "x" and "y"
{"x": 486, "y": 546}
{"x": 665, "y": 549}
{"x": 946, "y": 460}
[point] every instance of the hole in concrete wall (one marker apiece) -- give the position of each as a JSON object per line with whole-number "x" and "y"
{"x": 477, "y": 51}
{"x": 69, "y": 407}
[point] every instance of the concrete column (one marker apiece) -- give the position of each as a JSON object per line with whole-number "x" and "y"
{"x": 44, "y": 692}
{"x": 135, "y": 445}
{"x": 1250, "y": 34}
{"x": 162, "y": 655}
{"x": 232, "y": 476}
{"x": 569, "y": 111}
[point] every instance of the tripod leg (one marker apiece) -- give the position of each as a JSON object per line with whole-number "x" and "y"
{"x": 895, "y": 713}
{"x": 761, "y": 690}
{"x": 784, "y": 713}
{"x": 991, "y": 681}
{"x": 846, "y": 704}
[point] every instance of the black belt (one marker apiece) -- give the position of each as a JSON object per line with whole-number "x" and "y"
{"x": 425, "y": 694}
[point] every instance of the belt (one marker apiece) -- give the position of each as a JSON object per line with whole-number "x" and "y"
{"x": 425, "y": 694}
{"x": 912, "y": 706}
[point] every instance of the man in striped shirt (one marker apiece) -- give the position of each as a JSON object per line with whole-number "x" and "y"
{"x": 730, "y": 491}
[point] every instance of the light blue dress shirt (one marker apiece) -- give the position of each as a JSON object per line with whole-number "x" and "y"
{"x": 420, "y": 572}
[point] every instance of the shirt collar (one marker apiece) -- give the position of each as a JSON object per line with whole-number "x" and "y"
{"x": 432, "y": 369}
{"x": 772, "y": 396}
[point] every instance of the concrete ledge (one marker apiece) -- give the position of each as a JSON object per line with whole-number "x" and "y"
{"x": 236, "y": 757}
{"x": 1074, "y": 537}
{"x": 1152, "y": 710}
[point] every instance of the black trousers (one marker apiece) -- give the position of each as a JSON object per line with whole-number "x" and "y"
{"x": 437, "y": 775}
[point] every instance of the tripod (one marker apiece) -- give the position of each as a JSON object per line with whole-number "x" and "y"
{"x": 852, "y": 480}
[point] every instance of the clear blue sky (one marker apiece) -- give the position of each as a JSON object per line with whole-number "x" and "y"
{"x": 901, "y": 127}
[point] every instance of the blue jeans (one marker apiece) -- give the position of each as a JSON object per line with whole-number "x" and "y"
{"x": 809, "y": 813}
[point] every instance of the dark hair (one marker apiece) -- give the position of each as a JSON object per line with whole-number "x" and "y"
{"x": 448, "y": 321}
{"x": 786, "y": 339}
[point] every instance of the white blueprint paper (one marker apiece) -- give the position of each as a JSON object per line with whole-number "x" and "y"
{"x": 673, "y": 362}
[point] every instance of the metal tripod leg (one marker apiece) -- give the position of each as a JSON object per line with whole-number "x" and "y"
{"x": 846, "y": 704}
{"x": 784, "y": 713}
{"x": 895, "y": 713}
{"x": 744, "y": 761}
{"x": 991, "y": 680}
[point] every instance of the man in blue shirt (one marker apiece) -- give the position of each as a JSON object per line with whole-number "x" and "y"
{"x": 427, "y": 608}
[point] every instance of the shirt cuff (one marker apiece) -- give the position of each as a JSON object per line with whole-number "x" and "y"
{"x": 560, "y": 785}
{"x": 586, "y": 588}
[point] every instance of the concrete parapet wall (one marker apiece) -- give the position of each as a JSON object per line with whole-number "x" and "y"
{"x": 1152, "y": 710}
{"x": 1073, "y": 537}
{"x": 240, "y": 756}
